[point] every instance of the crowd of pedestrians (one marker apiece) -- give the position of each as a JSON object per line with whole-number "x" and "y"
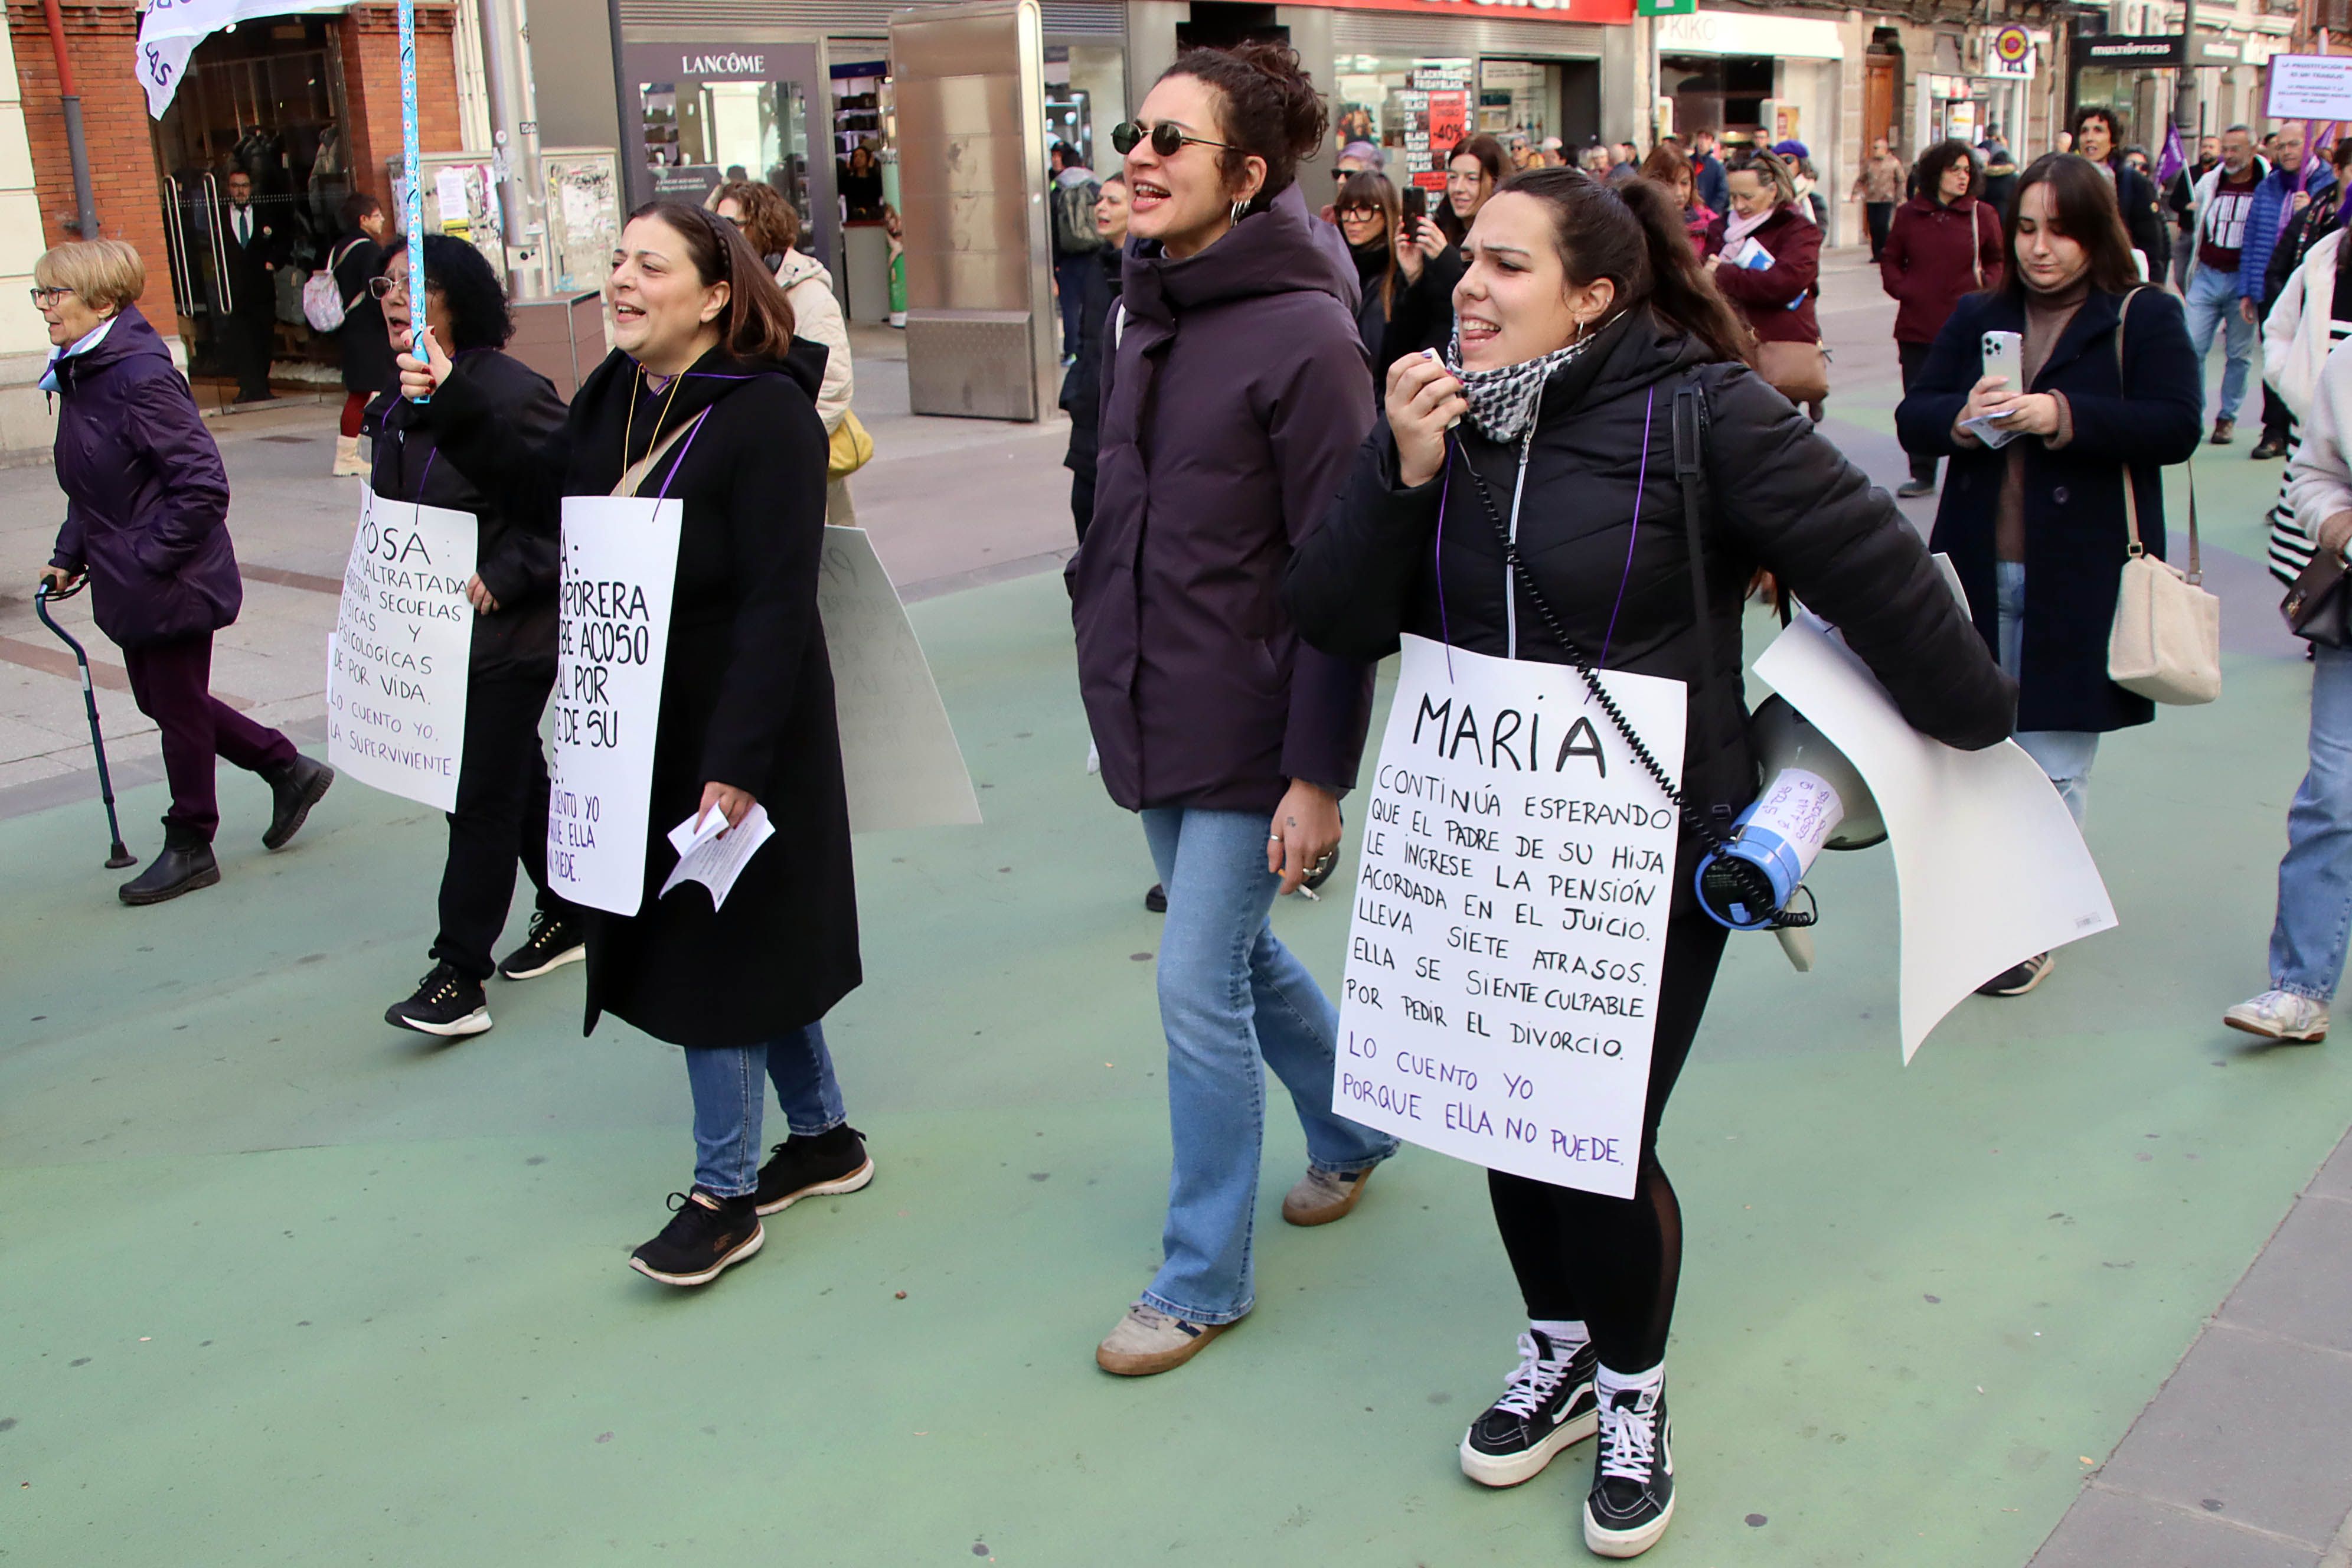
{"x": 1294, "y": 435}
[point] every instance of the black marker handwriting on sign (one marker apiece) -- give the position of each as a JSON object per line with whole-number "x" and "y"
{"x": 606, "y": 626}
{"x": 1506, "y": 733}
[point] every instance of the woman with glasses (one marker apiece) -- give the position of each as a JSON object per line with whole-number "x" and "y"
{"x": 772, "y": 225}
{"x": 1234, "y": 394}
{"x": 147, "y": 523}
{"x": 1370, "y": 215}
{"x": 706, "y": 400}
{"x": 500, "y": 816}
{"x": 1429, "y": 251}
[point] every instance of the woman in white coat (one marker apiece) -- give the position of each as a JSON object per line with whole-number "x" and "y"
{"x": 2312, "y": 315}
{"x": 774, "y": 227}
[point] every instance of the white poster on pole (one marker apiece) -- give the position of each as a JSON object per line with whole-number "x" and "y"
{"x": 619, "y": 569}
{"x": 1990, "y": 866}
{"x": 898, "y": 753}
{"x": 2310, "y": 87}
{"x": 397, "y": 662}
{"x": 1511, "y": 899}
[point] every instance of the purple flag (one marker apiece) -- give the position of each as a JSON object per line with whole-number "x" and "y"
{"x": 2174, "y": 159}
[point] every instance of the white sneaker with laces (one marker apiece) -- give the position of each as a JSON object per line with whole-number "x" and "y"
{"x": 2281, "y": 1016}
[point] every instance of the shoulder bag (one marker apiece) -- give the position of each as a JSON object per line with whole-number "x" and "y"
{"x": 852, "y": 447}
{"x": 2166, "y": 643}
{"x": 2318, "y": 608}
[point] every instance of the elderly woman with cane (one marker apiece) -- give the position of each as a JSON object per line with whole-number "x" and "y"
{"x": 147, "y": 522}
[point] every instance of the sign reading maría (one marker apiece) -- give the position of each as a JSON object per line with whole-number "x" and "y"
{"x": 1517, "y": 871}
{"x": 619, "y": 569}
{"x": 397, "y": 663}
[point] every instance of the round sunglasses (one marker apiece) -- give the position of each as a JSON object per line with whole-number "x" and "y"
{"x": 1167, "y": 138}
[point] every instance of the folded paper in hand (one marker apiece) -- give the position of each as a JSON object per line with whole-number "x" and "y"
{"x": 709, "y": 852}
{"x": 1993, "y": 430}
{"x": 1749, "y": 255}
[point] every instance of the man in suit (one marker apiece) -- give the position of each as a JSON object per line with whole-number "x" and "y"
{"x": 256, "y": 247}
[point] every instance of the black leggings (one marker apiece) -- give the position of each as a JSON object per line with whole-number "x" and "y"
{"x": 1613, "y": 1262}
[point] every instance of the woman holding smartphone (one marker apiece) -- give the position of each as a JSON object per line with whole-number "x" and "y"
{"x": 2104, "y": 392}
{"x": 1429, "y": 249}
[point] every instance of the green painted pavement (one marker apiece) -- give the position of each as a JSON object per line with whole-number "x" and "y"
{"x": 279, "y": 1286}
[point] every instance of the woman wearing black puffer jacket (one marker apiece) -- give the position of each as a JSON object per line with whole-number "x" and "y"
{"x": 1582, "y": 315}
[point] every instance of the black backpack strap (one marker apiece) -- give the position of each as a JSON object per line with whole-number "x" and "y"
{"x": 1690, "y": 464}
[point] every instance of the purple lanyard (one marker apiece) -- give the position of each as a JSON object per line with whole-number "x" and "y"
{"x": 692, "y": 431}
{"x": 1641, "y": 483}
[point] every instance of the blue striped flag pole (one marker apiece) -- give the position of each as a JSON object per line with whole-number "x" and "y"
{"x": 414, "y": 216}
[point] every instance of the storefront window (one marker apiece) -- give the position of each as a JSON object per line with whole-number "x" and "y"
{"x": 860, "y": 137}
{"x": 1519, "y": 98}
{"x": 699, "y": 134}
{"x": 1722, "y": 93}
{"x": 1415, "y": 109}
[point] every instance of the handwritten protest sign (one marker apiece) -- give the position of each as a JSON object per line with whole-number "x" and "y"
{"x": 1511, "y": 902}
{"x": 396, "y": 664}
{"x": 619, "y": 569}
{"x": 898, "y": 753}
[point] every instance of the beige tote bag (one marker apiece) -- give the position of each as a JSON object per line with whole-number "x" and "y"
{"x": 2166, "y": 644}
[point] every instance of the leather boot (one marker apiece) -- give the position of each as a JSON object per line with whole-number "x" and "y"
{"x": 348, "y": 461}
{"x": 294, "y": 790}
{"x": 185, "y": 865}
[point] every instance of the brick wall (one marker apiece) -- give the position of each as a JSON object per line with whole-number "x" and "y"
{"x": 371, "y": 42}
{"x": 101, "y": 41}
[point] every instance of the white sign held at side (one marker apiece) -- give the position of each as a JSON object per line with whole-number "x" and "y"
{"x": 398, "y": 661}
{"x": 899, "y": 753}
{"x": 1516, "y": 875}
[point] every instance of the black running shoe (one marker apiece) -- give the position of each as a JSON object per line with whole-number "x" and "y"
{"x": 798, "y": 1168}
{"x": 1633, "y": 1497}
{"x": 1547, "y": 1407}
{"x": 447, "y": 1004}
{"x": 704, "y": 1235}
{"x": 553, "y": 942}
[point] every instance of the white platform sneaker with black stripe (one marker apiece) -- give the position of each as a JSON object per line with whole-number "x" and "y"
{"x": 1547, "y": 1407}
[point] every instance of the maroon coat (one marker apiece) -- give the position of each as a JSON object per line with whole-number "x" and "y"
{"x": 1235, "y": 391}
{"x": 1765, "y": 298}
{"x": 146, "y": 497}
{"x": 1934, "y": 255}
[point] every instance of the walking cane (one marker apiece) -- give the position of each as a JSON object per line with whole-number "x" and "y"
{"x": 41, "y": 597}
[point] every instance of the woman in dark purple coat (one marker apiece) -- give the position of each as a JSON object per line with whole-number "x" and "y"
{"x": 147, "y": 521}
{"x": 1234, "y": 394}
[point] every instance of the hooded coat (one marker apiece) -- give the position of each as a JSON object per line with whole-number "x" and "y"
{"x": 747, "y": 691}
{"x": 1234, "y": 394}
{"x": 2127, "y": 421}
{"x": 514, "y": 559}
{"x": 1391, "y": 559}
{"x": 362, "y": 340}
{"x": 146, "y": 497}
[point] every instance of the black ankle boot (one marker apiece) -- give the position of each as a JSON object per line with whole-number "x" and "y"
{"x": 185, "y": 864}
{"x": 294, "y": 789}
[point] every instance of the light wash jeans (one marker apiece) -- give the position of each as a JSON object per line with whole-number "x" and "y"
{"x": 2214, "y": 302}
{"x": 2064, "y": 754}
{"x": 2315, "y": 896}
{"x": 729, "y": 1098}
{"x": 1231, "y": 993}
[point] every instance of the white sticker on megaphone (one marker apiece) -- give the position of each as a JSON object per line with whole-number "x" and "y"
{"x": 1802, "y": 808}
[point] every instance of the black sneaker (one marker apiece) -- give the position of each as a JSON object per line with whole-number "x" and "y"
{"x": 446, "y": 1004}
{"x": 1156, "y": 900}
{"x": 294, "y": 789}
{"x": 1633, "y": 1497}
{"x": 553, "y": 942}
{"x": 817, "y": 1167}
{"x": 1547, "y": 1407}
{"x": 706, "y": 1234}
{"x": 2019, "y": 980}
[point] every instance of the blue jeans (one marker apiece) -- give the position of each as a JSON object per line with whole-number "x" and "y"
{"x": 1231, "y": 993}
{"x": 2315, "y": 896}
{"x": 2214, "y": 302}
{"x": 728, "y": 1099}
{"x": 2064, "y": 754}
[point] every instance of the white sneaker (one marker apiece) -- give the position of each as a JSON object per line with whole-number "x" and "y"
{"x": 2281, "y": 1016}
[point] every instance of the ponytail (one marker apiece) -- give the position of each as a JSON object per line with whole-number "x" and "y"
{"x": 1633, "y": 234}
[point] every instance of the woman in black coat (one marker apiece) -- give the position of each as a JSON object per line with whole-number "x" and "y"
{"x": 1082, "y": 385}
{"x": 355, "y": 263}
{"x": 1582, "y": 314}
{"x": 1429, "y": 258}
{"x": 502, "y": 812}
{"x": 2037, "y": 528}
{"x": 1233, "y": 395}
{"x": 703, "y": 333}
{"x": 1368, "y": 214}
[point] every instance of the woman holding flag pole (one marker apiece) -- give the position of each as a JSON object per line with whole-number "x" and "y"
{"x": 707, "y": 405}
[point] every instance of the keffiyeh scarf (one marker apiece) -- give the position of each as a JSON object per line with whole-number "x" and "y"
{"x": 1503, "y": 402}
